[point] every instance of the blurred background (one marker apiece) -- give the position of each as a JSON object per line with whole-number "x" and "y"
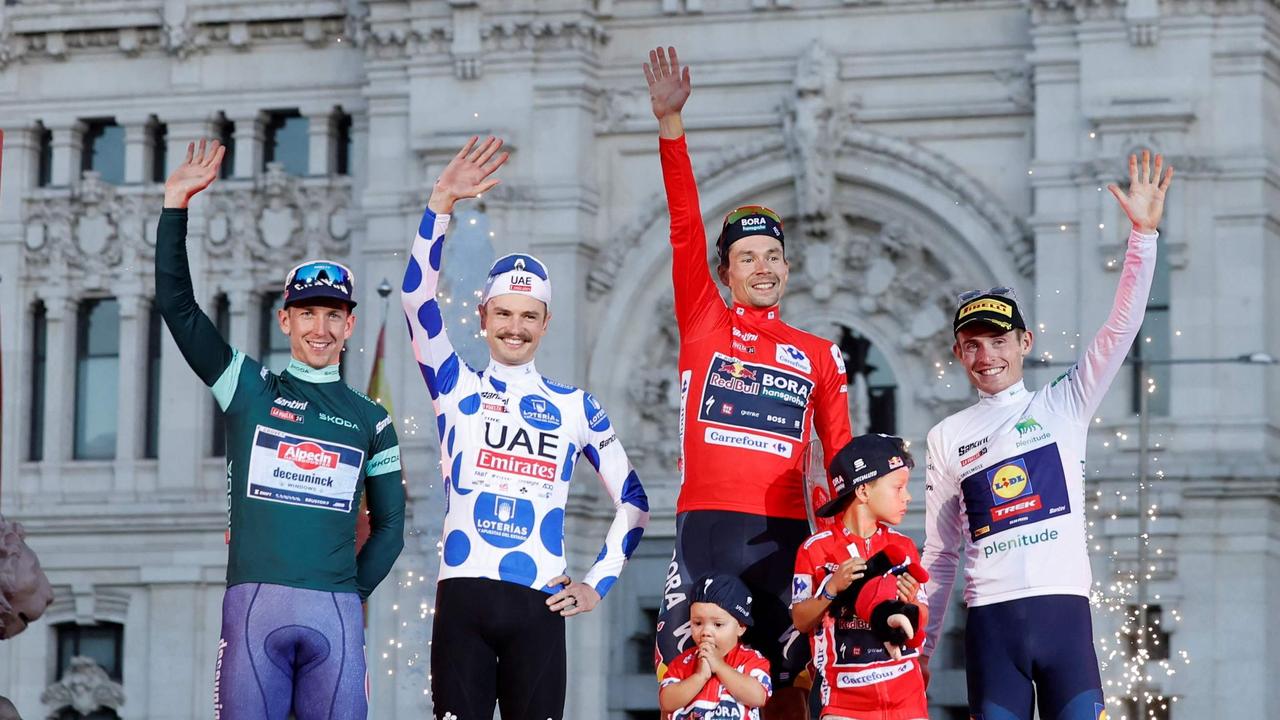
{"x": 916, "y": 149}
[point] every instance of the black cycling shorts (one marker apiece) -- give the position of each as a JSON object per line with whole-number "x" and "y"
{"x": 762, "y": 551}
{"x": 496, "y": 642}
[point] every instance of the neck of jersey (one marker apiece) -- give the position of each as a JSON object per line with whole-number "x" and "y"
{"x": 303, "y": 371}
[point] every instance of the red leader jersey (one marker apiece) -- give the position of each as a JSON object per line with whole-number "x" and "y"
{"x": 751, "y": 386}
{"x": 714, "y": 701}
{"x": 859, "y": 677}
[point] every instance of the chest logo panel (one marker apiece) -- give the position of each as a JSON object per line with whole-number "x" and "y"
{"x": 1021, "y": 490}
{"x": 755, "y": 397}
{"x": 303, "y": 471}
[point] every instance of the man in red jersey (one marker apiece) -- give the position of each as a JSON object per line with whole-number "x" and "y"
{"x": 751, "y": 387}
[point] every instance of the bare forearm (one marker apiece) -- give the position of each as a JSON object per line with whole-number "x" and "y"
{"x": 806, "y": 614}
{"x": 671, "y": 126}
{"x": 744, "y": 689}
{"x": 674, "y": 697}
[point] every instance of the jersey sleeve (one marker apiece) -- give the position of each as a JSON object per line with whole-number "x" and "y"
{"x": 1079, "y": 391}
{"x": 631, "y": 506}
{"x": 680, "y": 669}
{"x": 757, "y": 668}
{"x": 385, "y": 496}
{"x": 943, "y": 536}
{"x": 806, "y": 578}
{"x": 444, "y": 372}
{"x": 831, "y": 407}
{"x": 201, "y": 345}
{"x": 698, "y": 304}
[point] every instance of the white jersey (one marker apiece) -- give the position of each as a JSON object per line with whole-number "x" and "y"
{"x": 509, "y": 439}
{"x": 1005, "y": 477}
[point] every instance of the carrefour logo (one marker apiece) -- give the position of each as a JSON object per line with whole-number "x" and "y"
{"x": 307, "y": 455}
{"x": 1009, "y": 481}
{"x": 540, "y": 412}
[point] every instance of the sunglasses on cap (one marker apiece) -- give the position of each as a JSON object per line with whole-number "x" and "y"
{"x": 321, "y": 272}
{"x": 749, "y": 210}
{"x": 968, "y": 295}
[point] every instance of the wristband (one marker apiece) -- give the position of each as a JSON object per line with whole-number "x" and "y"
{"x": 822, "y": 590}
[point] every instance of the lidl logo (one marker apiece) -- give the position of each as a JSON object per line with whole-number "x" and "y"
{"x": 1100, "y": 711}
{"x": 1009, "y": 481}
{"x": 1026, "y": 426}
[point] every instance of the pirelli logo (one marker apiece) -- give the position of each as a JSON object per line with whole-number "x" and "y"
{"x": 987, "y": 304}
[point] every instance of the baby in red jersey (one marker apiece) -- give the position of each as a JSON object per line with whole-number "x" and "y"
{"x": 718, "y": 677}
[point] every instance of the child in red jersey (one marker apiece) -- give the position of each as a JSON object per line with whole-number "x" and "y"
{"x": 718, "y": 677}
{"x": 863, "y": 675}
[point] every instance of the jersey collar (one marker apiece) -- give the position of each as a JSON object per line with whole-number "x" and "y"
{"x": 303, "y": 371}
{"x": 512, "y": 373}
{"x": 1011, "y": 393}
{"x": 757, "y": 316}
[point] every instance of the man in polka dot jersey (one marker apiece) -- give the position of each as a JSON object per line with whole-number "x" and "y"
{"x": 509, "y": 439}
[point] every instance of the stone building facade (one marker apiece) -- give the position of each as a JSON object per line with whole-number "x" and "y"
{"x": 916, "y": 148}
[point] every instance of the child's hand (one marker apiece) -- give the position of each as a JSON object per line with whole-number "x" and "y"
{"x": 843, "y": 577}
{"x": 908, "y": 588}
{"x": 709, "y": 657}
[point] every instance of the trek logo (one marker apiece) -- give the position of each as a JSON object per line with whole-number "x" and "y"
{"x": 298, "y": 405}
{"x": 792, "y": 356}
{"x": 286, "y": 415}
{"x": 516, "y": 465}
{"x": 1026, "y": 426}
{"x": 307, "y": 455}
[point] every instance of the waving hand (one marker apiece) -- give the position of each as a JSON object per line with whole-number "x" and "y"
{"x": 1144, "y": 203}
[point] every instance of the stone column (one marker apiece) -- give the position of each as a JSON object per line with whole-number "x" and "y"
{"x": 67, "y": 153}
{"x": 249, "y": 136}
{"x": 60, "y": 381}
{"x": 137, "y": 149}
{"x": 131, "y": 399}
{"x": 320, "y": 131}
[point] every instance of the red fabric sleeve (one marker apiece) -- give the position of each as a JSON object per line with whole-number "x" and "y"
{"x": 831, "y": 406}
{"x": 698, "y": 303}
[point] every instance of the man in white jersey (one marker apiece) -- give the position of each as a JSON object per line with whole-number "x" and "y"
{"x": 510, "y": 438}
{"x": 1005, "y": 491}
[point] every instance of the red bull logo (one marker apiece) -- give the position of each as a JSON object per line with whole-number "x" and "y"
{"x": 737, "y": 369}
{"x": 307, "y": 455}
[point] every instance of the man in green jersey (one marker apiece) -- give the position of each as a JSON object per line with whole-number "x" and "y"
{"x": 302, "y": 447}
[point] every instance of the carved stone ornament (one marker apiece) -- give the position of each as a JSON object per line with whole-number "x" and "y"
{"x": 25, "y": 592}
{"x": 85, "y": 687}
{"x": 284, "y": 220}
{"x": 93, "y": 230}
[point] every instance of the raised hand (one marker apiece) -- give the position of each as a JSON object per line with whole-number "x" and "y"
{"x": 196, "y": 173}
{"x": 468, "y": 174}
{"x": 1144, "y": 204}
{"x": 668, "y": 83}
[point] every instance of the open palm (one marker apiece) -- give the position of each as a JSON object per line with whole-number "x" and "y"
{"x": 1144, "y": 203}
{"x": 196, "y": 173}
{"x": 468, "y": 174}
{"x": 669, "y": 84}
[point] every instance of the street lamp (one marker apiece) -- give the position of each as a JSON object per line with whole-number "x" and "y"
{"x": 1145, "y": 388}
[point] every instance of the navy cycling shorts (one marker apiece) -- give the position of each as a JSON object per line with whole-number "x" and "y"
{"x": 288, "y": 649}
{"x": 1033, "y": 651}
{"x": 762, "y": 551}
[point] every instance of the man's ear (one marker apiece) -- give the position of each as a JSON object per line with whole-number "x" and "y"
{"x": 282, "y": 318}
{"x": 722, "y": 272}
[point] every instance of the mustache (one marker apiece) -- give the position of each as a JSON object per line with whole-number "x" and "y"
{"x": 522, "y": 336}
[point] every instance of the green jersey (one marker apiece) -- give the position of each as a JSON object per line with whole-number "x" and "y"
{"x": 302, "y": 448}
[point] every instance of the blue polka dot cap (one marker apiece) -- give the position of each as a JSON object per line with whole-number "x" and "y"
{"x": 518, "y": 274}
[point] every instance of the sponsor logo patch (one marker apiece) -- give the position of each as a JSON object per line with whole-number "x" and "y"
{"x": 730, "y": 438}
{"x": 792, "y": 356}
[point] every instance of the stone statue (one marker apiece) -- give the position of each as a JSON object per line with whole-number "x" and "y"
{"x": 24, "y": 590}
